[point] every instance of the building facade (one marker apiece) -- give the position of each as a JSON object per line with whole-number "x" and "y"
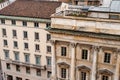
{"x": 24, "y": 44}
{"x": 86, "y": 44}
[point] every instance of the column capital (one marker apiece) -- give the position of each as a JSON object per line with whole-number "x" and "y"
{"x": 73, "y": 44}
{"x": 52, "y": 42}
{"x": 96, "y": 48}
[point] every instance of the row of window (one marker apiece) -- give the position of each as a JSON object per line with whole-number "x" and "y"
{"x": 26, "y": 46}
{"x": 83, "y": 75}
{"x": 25, "y": 34}
{"x": 28, "y": 71}
{"x": 85, "y": 54}
{"x": 24, "y": 23}
{"x": 27, "y": 57}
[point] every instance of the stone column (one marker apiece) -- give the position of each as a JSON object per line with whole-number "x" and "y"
{"x": 72, "y": 70}
{"x": 53, "y": 76}
{"x": 94, "y": 63}
{"x": 117, "y": 70}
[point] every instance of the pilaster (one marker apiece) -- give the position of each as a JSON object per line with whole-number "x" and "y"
{"x": 53, "y": 76}
{"x": 117, "y": 69}
{"x": 94, "y": 62}
{"x": 72, "y": 73}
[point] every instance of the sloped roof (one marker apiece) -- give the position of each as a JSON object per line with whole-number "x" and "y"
{"x": 31, "y": 8}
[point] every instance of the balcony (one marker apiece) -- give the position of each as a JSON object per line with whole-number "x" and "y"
{"x": 28, "y": 64}
{"x": 58, "y": 78}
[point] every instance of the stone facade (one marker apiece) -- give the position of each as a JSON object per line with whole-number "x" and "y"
{"x": 85, "y": 48}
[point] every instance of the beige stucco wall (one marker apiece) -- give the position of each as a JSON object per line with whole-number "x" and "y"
{"x": 31, "y": 30}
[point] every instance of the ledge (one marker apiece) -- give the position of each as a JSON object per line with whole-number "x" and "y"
{"x": 25, "y": 18}
{"x": 85, "y": 34}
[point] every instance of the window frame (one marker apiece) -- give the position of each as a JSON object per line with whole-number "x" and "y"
{"x": 63, "y": 51}
{"x": 107, "y": 57}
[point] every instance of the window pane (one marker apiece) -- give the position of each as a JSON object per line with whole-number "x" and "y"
{"x": 84, "y": 54}
{"x": 5, "y": 43}
{"x": 37, "y": 59}
{"x": 63, "y": 73}
{"x": 24, "y": 23}
{"x": 107, "y": 57}
{"x": 27, "y": 58}
{"x": 49, "y": 74}
{"x": 4, "y": 32}
{"x": 16, "y": 55}
{"x": 48, "y": 48}
{"x": 26, "y": 45}
{"x": 36, "y": 35}
{"x": 28, "y": 70}
{"x": 15, "y": 44}
{"x": 37, "y": 47}
{"x": 6, "y": 52}
{"x": 14, "y": 33}
{"x": 38, "y": 72}
{"x": 63, "y": 51}
{"x": 83, "y": 75}
{"x": 3, "y": 21}
{"x": 13, "y": 22}
{"x": 36, "y": 24}
{"x": 25, "y": 34}
{"x": 48, "y": 37}
{"x": 49, "y": 61}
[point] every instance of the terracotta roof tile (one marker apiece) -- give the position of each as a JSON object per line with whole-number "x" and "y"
{"x": 31, "y": 8}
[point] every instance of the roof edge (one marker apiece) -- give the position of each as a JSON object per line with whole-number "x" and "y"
{"x": 26, "y": 19}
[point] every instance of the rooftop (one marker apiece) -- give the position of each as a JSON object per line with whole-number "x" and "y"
{"x": 113, "y": 7}
{"x": 31, "y": 8}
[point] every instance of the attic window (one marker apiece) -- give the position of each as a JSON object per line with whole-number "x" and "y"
{"x": 114, "y": 16}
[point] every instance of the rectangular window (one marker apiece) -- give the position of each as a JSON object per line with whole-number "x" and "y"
{"x": 36, "y": 24}
{"x": 6, "y": 52}
{"x": 105, "y": 77}
{"x": 63, "y": 73}
{"x": 4, "y": 32}
{"x": 18, "y": 68}
{"x": 84, "y": 54}
{"x": 36, "y": 36}
{"x": 49, "y": 74}
{"x": 25, "y": 34}
{"x": 107, "y": 57}
{"x": 24, "y": 23}
{"x": 37, "y": 47}
{"x": 26, "y": 46}
{"x": 48, "y": 37}
{"x": 38, "y": 72}
{"x": 48, "y": 25}
{"x": 83, "y": 76}
{"x": 27, "y": 58}
{"x": 48, "y": 61}
{"x": 2, "y": 21}
{"x": 63, "y": 51}
{"x": 7, "y": 65}
{"x": 18, "y": 78}
{"x": 15, "y": 44}
{"x": 16, "y": 54}
{"x": 37, "y": 59}
{"x": 49, "y": 49}
{"x": 14, "y": 33}
{"x": 114, "y": 16}
{"x": 13, "y": 22}
{"x": 5, "y": 42}
{"x": 28, "y": 70}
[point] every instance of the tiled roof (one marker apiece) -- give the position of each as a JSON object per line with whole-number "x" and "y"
{"x": 31, "y": 8}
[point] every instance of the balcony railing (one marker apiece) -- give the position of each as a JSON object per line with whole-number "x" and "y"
{"x": 28, "y": 64}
